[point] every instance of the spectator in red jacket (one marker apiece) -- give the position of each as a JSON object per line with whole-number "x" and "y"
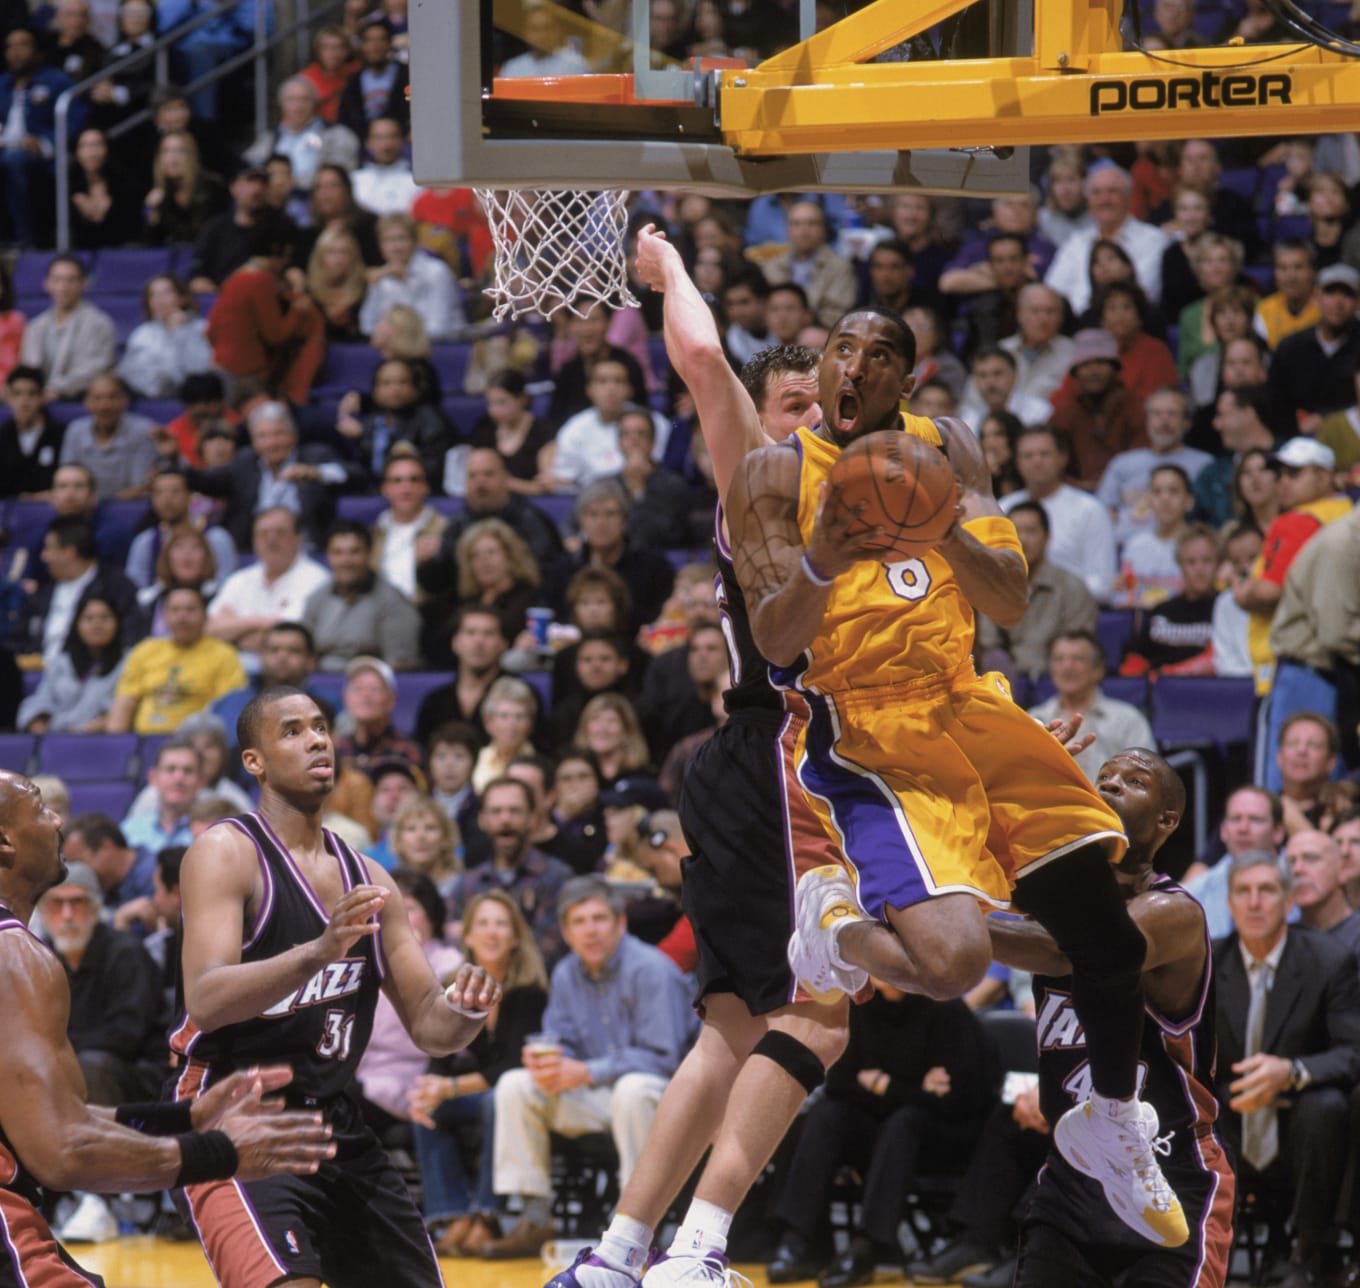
{"x": 264, "y": 329}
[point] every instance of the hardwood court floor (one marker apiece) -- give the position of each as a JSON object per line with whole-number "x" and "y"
{"x": 149, "y": 1263}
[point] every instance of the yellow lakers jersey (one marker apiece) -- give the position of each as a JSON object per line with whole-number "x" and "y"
{"x": 885, "y": 623}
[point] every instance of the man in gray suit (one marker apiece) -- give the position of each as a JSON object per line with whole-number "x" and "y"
{"x": 1288, "y": 1052}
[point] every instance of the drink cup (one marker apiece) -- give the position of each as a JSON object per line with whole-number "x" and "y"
{"x": 539, "y": 621}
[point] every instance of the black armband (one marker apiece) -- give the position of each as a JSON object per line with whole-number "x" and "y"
{"x": 157, "y": 1118}
{"x": 205, "y": 1156}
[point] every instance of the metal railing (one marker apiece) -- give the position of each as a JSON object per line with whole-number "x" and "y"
{"x": 258, "y": 52}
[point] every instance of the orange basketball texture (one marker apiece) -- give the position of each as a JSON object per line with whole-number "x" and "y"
{"x": 900, "y": 483}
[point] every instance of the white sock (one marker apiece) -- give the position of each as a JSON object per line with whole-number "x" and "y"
{"x": 625, "y": 1243}
{"x": 1109, "y": 1108}
{"x": 705, "y": 1230}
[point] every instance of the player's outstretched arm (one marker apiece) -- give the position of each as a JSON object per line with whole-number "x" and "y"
{"x": 992, "y": 578}
{"x": 727, "y": 416}
{"x": 69, "y": 1145}
{"x": 424, "y": 1006}
{"x": 217, "y": 881}
{"x": 787, "y": 585}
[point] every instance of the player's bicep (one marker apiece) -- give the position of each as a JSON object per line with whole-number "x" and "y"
{"x": 44, "y": 1090}
{"x": 762, "y": 516}
{"x": 1173, "y": 926}
{"x": 728, "y": 422}
{"x": 217, "y": 880}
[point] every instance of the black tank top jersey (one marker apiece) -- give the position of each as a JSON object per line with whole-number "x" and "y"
{"x": 12, "y": 1173}
{"x": 751, "y": 687}
{"x": 321, "y": 1028}
{"x": 1175, "y": 1062}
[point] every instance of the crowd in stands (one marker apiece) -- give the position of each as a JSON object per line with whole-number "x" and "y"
{"x": 260, "y": 430}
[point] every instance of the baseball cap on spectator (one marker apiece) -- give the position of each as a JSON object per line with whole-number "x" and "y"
{"x": 1299, "y": 453}
{"x": 1094, "y": 344}
{"x": 366, "y": 662}
{"x": 646, "y": 792}
{"x": 1341, "y": 277}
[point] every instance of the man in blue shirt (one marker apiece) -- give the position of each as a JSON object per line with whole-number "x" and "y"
{"x": 176, "y": 778}
{"x": 617, "y": 1024}
{"x": 98, "y": 842}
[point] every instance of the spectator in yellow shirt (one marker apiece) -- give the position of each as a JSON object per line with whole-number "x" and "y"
{"x": 1293, "y": 305}
{"x": 167, "y": 680}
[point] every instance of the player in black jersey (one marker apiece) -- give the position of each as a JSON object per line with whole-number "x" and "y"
{"x": 49, "y": 1136}
{"x": 288, "y": 935}
{"x": 1069, "y": 1235}
{"x": 747, "y": 827}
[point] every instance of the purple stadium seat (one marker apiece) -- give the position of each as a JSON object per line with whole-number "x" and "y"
{"x": 348, "y": 366}
{"x": 125, "y": 310}
{"x": 557, "y": 507}
{"x": 26, "y": 521}
{"x": 84, "y": 757}
{"x": 31, "y": 270}
{"x": 1132, "y": 689}
{"x": 1190, "y": 711}
{"x": 656, "y": 351}
{"x": 541, "y": 683}
{"x": 1266, "y": 185}
{"x": 65, "y": 410}
{"x": 361, "y": 509}
{"x": 1262, "y": 275}
{"x": 1239, "y": 179}
{"x": 31, "y": 305}
{"x": 16, "y": 751}
{"x": 450, "y": 363}
{"x": 118, "y": 522}
{"x": 161, "y": 410}
{"x": 103, "y": 796}
{"x": 679, "y": 558}
{"x": 126, "y": 272}
{"x": 412, "y": 686}
{"x": 1115, "y": 628}
{"x": 448, "y": 506}
{"x": 150, "y": 746}
{"x": 463, "y": 411}
{"x": 1288, "y": 227}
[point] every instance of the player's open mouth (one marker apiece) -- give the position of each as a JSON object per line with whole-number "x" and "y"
{"x": 847, "y": 413}
{"x": 321, "y": 768}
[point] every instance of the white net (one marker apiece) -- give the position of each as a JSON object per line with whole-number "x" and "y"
{"x": 555, "y": 250}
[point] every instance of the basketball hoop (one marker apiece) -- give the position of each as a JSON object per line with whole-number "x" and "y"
{"x": 557, "y": 249}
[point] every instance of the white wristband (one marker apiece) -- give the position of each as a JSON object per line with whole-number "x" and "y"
{"x": 813, "y": 575}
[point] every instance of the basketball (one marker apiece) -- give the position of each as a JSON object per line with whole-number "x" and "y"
{"x": 900, "y": 483}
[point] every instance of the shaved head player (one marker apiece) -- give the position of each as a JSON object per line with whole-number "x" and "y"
{"x": 49, "y": 1136}
{"x": 288, "y": 936}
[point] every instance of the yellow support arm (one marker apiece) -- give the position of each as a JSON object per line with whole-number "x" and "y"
{"x": 1078, "y": 87}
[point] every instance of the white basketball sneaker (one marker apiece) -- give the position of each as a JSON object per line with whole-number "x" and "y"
{"x": 91, "y": 1222}
{"x": 1120, "y": 1151}
{"x": 700, "y": 1270}
{"x": 823, "y": 901}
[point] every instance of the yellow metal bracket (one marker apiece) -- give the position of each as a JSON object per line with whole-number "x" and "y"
{"x": 1077, "y": 86}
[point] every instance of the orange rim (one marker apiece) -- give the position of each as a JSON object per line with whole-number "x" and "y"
{"x": 610, "y": 88}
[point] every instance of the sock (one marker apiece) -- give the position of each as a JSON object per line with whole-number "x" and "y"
{"x": 705, "y": 1230}
{"x": 537, "y": 1209}
{"x": 625, "y": 1243}
{"x": 1108, "y": 1107}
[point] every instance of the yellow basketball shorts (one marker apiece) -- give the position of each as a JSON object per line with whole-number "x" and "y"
{"x": 944, "y": 785}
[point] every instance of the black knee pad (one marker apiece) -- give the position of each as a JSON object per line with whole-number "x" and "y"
{"x": 798, "y": 1060}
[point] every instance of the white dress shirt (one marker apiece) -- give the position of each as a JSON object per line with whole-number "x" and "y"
{"x": 428, "y": 287}
{"x": 1070, "y": 271}
{"x": 1082, "y": 536}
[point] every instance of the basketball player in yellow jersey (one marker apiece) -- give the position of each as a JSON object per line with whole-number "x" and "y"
{"x": 943, "y": 796}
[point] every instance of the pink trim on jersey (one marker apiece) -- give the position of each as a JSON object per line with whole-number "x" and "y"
{"x": 267, "y": 876}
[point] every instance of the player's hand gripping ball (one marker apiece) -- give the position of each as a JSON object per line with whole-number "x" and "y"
{"x": 902, "y": 484}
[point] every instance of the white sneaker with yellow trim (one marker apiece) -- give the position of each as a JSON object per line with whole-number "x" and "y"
{"x": 1119, "y": 1150}
{"x": 823, "y": 901}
